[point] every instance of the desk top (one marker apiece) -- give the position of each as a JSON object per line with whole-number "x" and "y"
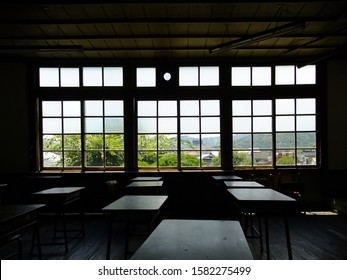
{"x": 227, "y": 177}
{"x": 60, "y": 190}
{"x": 195, "y": 240}
{"x": 9, "y": 212}
{"x": 260, "y": 195}
{"x": 145, "y": 184}
{"x": 145, "y": 178}
{"x": 136, "y": 203}
{"x": 243, "y": 184}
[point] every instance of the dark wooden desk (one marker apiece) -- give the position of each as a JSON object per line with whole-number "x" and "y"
{"x": 146, "y": 178}
{"x": 58, "y": 198}
{"x": 195, "y": 240}
{"x": 15, "y": 218}
{"x": 144, "y": 187}
{"x": 243, "y": 184}
{"x": 227, "y": 177}
{"x": 130, "y": 205}
{"x": 264, "y": 201}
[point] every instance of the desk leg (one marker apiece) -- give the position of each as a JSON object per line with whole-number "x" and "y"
{"x": 267, "y": 237}
{"x": 36, "y": 235}
{"x": 109, "y": 238}
{"x": 64, "y": 230}
{"x": 126, "y": 245}
{"x": 260, "y": 234}
{"x": 289, "y": 246}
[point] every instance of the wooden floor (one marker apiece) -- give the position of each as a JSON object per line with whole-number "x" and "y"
{"x": 315, "y": 236}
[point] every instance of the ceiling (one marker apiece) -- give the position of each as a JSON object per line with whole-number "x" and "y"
{"x": 171, "y": 29}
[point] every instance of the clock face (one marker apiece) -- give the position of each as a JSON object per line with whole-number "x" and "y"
{"x": 167, "y": 76}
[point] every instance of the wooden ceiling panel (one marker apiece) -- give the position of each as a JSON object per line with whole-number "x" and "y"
{"x": 173, "y": 29}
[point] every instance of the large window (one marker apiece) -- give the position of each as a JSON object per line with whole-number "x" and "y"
{"x": 252, "y": 132}
{"x": 296, "y": 132}
{"x": 184, "y": 134}
{"x": 294, "y": 123}
{"x": 206, "y": 117}
{"x": 82, "y": 134}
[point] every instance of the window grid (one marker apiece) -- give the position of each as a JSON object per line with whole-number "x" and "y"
{"x": 70, "y": 135}
{"x": 180, "y": 146}
{"x": 97, "y": 141}
{"x": 303, "y": 151}
{"x": 252, "y": 133}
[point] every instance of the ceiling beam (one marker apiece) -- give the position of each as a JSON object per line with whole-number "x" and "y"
{"x": 210, "y": 20}
{"x": 150, "y": 37}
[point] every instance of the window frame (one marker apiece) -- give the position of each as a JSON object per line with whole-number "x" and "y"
{"x": 130, "y": 93}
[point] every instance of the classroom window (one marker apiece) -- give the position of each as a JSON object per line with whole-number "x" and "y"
{"x": 91, "y": 77}
{"x": 199, "y": 76}
{"x": 102, "y": 76}
{"x": 71, "y": 139}
{"x": 292, "y": 75}
{"x": 145, "y": 77}
{"x": 251, "y": 76}
{"x": 252, "y": 133}
{"x": 183, "y": 134}
{"x": 296, "y": 132}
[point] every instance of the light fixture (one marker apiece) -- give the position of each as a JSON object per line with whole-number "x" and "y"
{"x": 268, "y": 34}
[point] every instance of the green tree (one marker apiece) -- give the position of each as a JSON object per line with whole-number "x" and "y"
{"x": 241, "y": 159}
{"x": 286, "y": 160}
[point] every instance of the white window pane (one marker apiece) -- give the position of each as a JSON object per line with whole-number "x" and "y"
{"x": 285, "y": 123}
{"x": 49, "y": 77}
{"x": 113, "y": 76}
{"x": 209, "y": 76}
{"x": 93, "y": 108}
{"x": 72, "y": 108}
{"x": 306, "y": 75}
{"x": 69, "y": 77}
{"x": 306, "y": 106}
{"x": 210, "y": 107}
{"x": 147, "y": 125}
{"x": 52, "y": 125}
{"x": 306, "y": 123}
{"x": 285, "y": 75}
{"x": 188, "y": 76}
{"x": 262, "y": 107}
{"x": 241, "y": 125}
{"x": 262, "y": 124}
{"x": 114, "y": 108}
{"x": 189, "y": 108}
{"x": 190, "y": 125}
{"x": 241, "y": 76}
{"x": 145, "y": 77}
{"x": 167, "y": 125}
{"x": 242, "y": 108}
{"x": 51, "y": 109}
{"x": 147, "y": 108}
{"x": 72, "y": 125}
{"x": 167, "y": 108}
{"x": 92, "y": 76}
{"x": 210, "y": 125}
{"x": 261, "y": 76}
{"x": 114, "y": 125}
{"x": 93, "y": 125}
{"x": 285, "y": 106}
